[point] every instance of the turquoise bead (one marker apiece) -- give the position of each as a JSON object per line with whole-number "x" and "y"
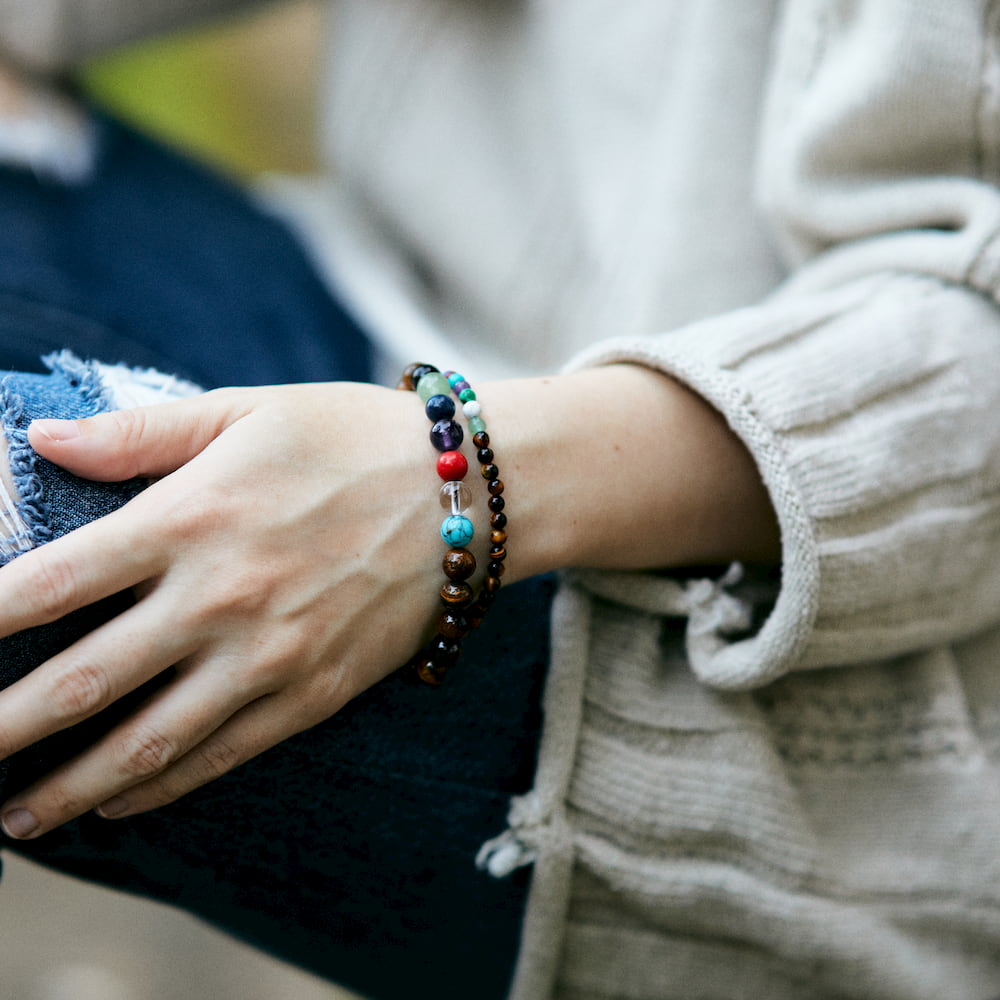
{"x": 476, "y": 425}
{"x": 432, "y": 384}
{"x": 454, "y": 377}
{"x": 457, "y": 531}
{"x": 466, "y": 394}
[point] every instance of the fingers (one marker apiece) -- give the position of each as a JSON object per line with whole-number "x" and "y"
{"x": 138, "y": 751}
{"x": 146, "y": 441}
{"x": 85, "y": 678}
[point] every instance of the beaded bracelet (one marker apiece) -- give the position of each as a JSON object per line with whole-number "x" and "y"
{"x": 460, "y": 613}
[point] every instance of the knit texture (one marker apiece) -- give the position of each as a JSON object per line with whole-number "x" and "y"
{"x": 748, "y": 787}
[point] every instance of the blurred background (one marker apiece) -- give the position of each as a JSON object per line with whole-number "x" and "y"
{"x": 241, "y": 95}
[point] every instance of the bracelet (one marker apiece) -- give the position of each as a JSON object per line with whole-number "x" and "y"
{"x": 461, "y": 612}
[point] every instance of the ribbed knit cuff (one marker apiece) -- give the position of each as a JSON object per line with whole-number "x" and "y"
{"x": 871, "y": 412}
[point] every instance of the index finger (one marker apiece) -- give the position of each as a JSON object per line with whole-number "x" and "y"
{"x": 93, "y": 562}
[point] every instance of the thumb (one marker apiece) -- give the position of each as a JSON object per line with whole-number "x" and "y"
{"x": 145, "y": 441}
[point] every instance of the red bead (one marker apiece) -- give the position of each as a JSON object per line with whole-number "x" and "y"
{"x": 452, "y": 466}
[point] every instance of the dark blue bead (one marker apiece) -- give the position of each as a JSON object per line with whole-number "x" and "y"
{"x": 439, "y": 408}
{"x": 446, "y": 435}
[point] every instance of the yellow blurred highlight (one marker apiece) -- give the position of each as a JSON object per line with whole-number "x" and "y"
{"x": 240, "y": 94}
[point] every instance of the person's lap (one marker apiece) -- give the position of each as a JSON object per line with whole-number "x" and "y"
{"x": 348, "y": 849}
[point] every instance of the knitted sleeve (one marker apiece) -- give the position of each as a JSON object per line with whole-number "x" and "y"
{"x": 51, "y": 35}
{"x": 868, "y": 388}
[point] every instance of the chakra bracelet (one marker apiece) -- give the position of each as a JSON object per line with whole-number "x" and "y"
{"x": 461, "y": 613}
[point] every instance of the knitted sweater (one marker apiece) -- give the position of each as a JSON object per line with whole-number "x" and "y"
{"x": 747, "y": 788}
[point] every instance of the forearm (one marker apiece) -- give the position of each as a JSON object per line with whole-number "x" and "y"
{"x": 621, "y": 467}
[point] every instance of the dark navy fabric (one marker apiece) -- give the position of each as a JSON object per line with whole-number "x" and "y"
{"x": 348, "y": 849}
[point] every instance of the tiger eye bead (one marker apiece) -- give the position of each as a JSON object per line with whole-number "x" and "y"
{"x": 406, "y": 379}
{"x": 498, "y": 537}
{"x": 491, "y": 584}
{"x": 490, "y": 472}
{"x": 498, "y": 520}
{"x": 485, "y": 455}
{"x": 498, "y": 553}
{"x": 496, "y": 504}
{"x": 429, "y": 671}
{"x": 458, "y": 564}
{"x": 481, "y": 439}
{"x": 445, "y": 652}
{"x": 496, "y": 568}
{"x": 453, "y": 625}
{"x": 455, "y": 594}
{"x": 495, "y": 487}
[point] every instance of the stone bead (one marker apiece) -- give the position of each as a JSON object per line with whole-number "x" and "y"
{"x": 432, "y": 384}
{"x": 458, "y": 564}
{"x": 456, "y": 594}
{"x": 452, "y": 465}
{"x": 455, "y": 497}
{"x": 446, "y": 435}
{"x": 456, "y": 530}
{"x": 489, "y": 472}
{"x": 477, "y": 426}
{"x": 484, "y": 456}
{"x": 439, "y": 407}
{"x": 459, "y": 384}
{"x": 445, "y": 652}
{"x": 495, "y": 487}
{"x": 467, "y": 395}
{"x": 418, "y": 371}
{"x": 406, "y": 379}
{"x": 472, "y": 408}
{"x": 496, "y": 504}
{"x": 453, "y": 625}
{"x": 481, "y": 439}
{"x": 496, "y": 569}
{"x": 498, "y": 537}
{"x": 429, "y": 671}
{"x": 491, "y": 584}
{"x": 498, "y": 520}
{"x": 453, "y": 377}
{"x": 498, "y": 553}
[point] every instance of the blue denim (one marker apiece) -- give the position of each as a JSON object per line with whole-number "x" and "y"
{"x": 347, "y": 849}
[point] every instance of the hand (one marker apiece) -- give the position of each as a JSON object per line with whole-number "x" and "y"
{"x": 287, "y": 559}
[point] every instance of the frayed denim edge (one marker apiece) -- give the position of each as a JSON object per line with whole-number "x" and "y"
{"x": 31, "y": 503}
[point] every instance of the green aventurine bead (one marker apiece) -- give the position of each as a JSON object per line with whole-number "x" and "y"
{"x": 433, "y": 384}
{"x": 476, "y": 424}
{"x": 466, "y": 394}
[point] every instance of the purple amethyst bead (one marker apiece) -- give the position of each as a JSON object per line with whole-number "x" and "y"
{"x": 460, "y": 385}
{"x": 446, "y": 435}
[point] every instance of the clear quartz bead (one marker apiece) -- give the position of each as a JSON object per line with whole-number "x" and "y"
{"x": 456, "y": 497}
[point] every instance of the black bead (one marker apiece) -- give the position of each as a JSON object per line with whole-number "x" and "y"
{"x": 496, "y": 504}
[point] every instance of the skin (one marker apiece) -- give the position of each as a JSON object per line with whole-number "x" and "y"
{"x": 259, "y": 586}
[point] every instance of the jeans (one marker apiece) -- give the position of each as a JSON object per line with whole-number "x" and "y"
{"x": 348, "y": 849}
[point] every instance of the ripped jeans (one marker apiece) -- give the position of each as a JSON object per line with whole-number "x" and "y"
{"x": 348, "y": 849}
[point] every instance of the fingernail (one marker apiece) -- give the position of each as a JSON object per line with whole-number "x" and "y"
{"x": 112, "y": 808}
{"x": 19, "y": 823}
{"x": 57, "y": 430}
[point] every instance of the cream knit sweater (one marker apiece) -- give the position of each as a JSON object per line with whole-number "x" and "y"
{"x": 750, "y": 790}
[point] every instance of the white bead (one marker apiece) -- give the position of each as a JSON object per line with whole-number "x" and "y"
{"x": 456, "y": 497}
{"x": 472, "y": 408}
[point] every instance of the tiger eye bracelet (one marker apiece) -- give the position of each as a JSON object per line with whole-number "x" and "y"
{"x": 461, "y": 610}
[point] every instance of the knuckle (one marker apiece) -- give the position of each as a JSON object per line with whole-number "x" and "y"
{"x": 145, "y": 751}
{"x": 81, "y": 691}
{"x": 54, "y": 584}
{"x": 212, "y": 758}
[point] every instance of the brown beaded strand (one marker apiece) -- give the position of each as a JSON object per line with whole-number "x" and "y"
{"x": 460, "y": 613}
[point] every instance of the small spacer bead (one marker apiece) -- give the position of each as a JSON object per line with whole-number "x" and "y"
{"x": 496, "y": 504}
{"x": 452, "y": 465}
{"x": 439, "y": 407}
{"x": 477, "y": 426}
{"x": 481, "y": 439}
{"x": 472, "y": 408}
{"x": 498, "y": 519}
{"x": 489, "y": 472}
{"x": 457, "y": 530}
{"x": 495, "y": 487}
{"x": 458, "y": 564}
